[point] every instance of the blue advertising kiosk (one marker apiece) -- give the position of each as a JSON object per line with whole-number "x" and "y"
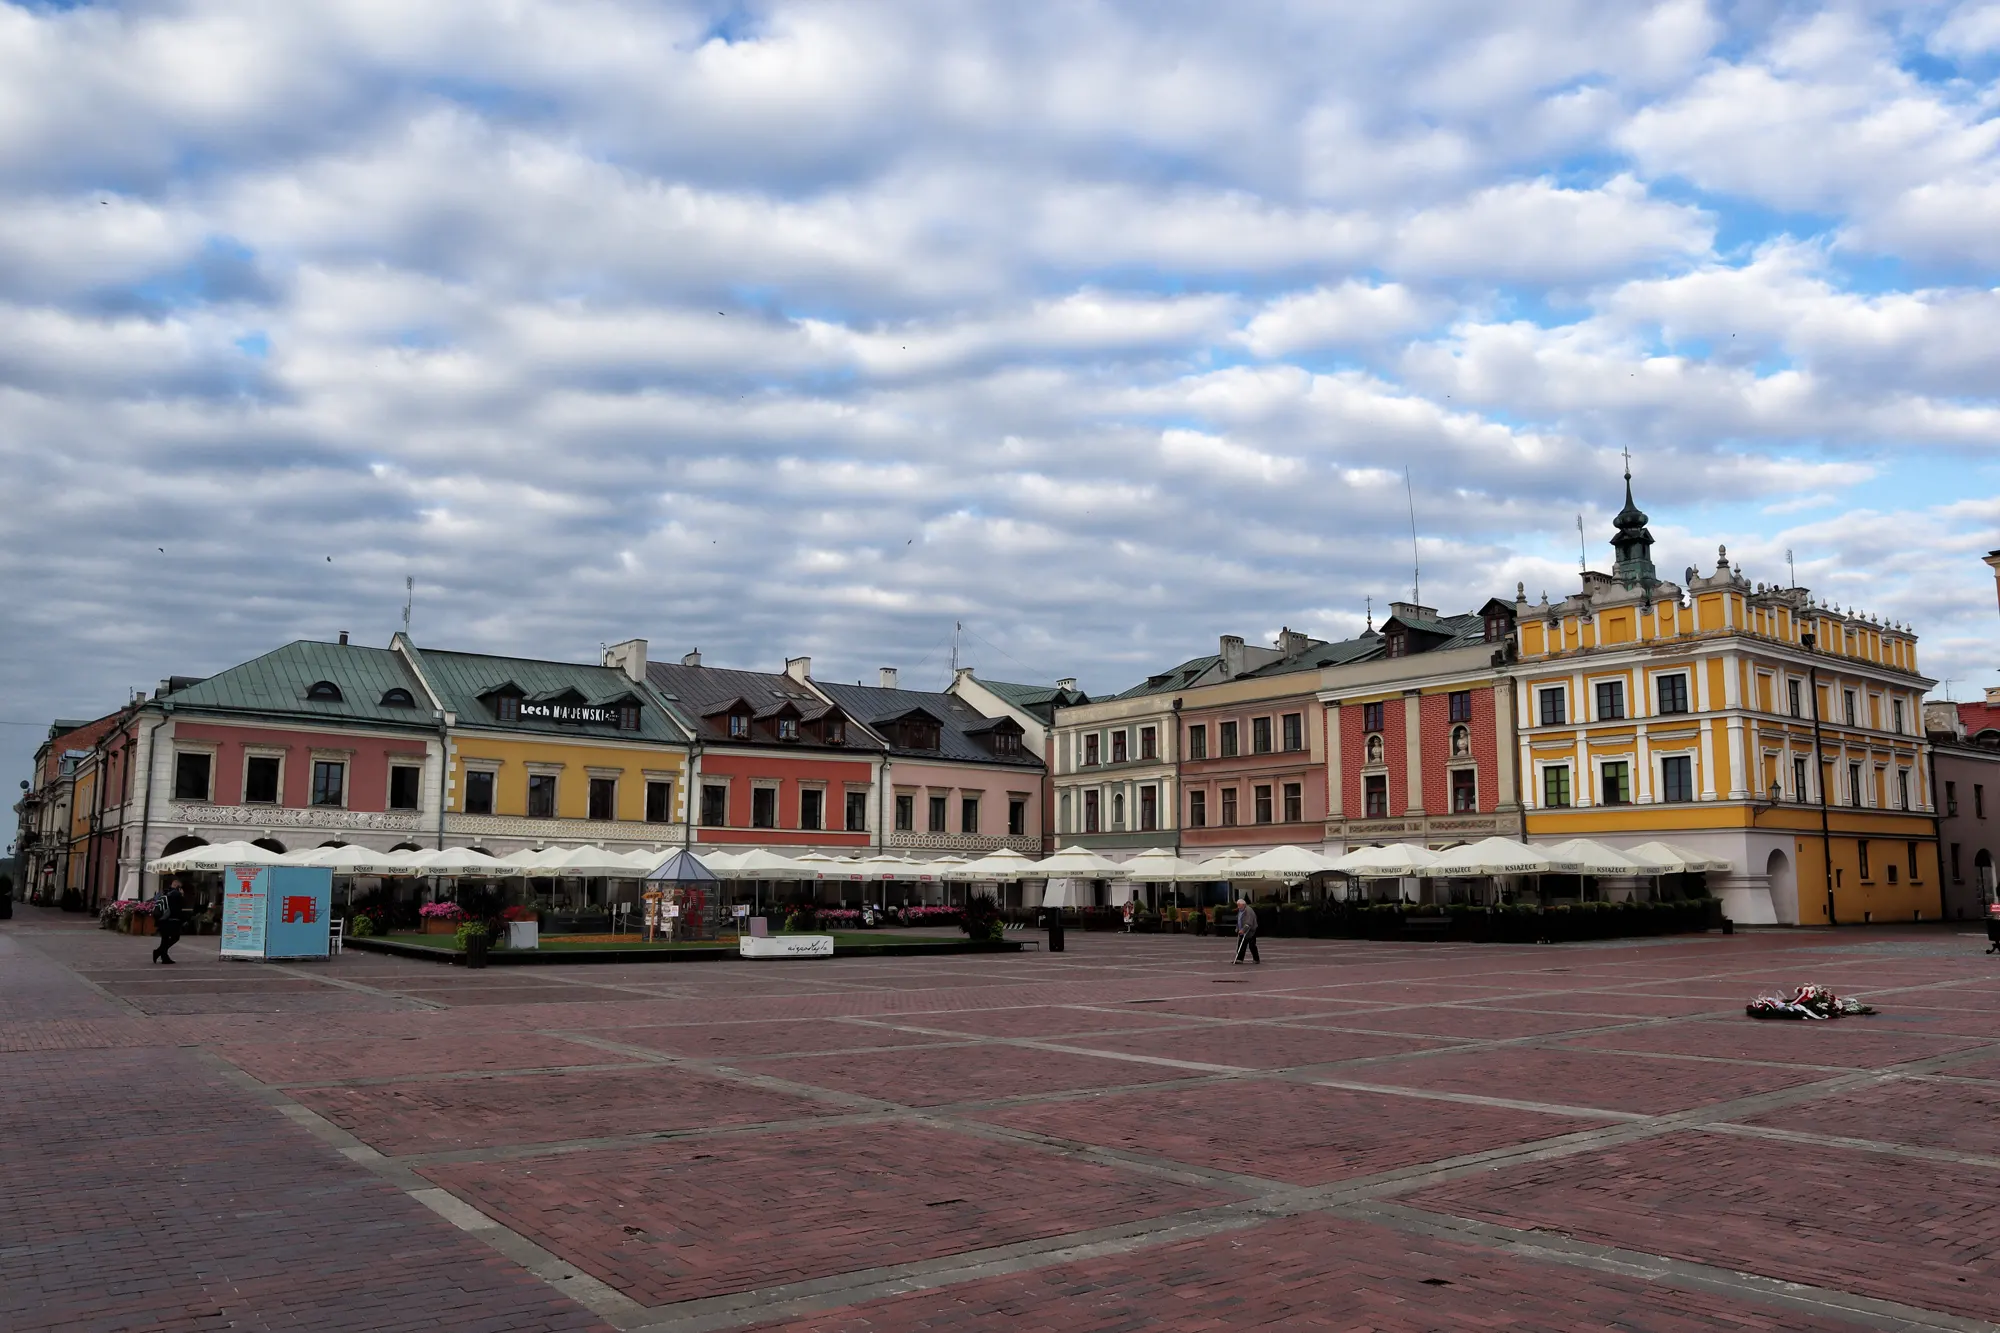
{"x": 276, "y": 911}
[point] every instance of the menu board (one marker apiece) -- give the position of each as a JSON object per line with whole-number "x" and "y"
{"x": 245, "y": 894}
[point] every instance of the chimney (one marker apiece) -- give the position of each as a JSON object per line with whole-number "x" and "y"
{"x": 887, "y": 675}
{"x": 798, "y": 668}
{"x": 1291, "y": 642}
{"x": 343, "y": 638}
{"x": 629, "y": 657}
{"x": 1412, "y": 611}
{"x": 1066, "y": 683}
{"x": 1231, "y": 652}
{"x": 692, "y": 659}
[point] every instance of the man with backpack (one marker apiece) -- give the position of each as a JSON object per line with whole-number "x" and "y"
{"x": 167, "y": 920}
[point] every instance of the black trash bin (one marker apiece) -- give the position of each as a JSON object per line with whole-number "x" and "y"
{"x": 475, "y": 950}
{"x": 1053, "y": 917}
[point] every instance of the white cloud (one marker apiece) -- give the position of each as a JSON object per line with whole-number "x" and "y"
{"x": 1354, "y": 312}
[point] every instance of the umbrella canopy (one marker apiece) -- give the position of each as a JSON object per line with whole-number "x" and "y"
{"x": 217, "y": 855}
{"x": 587, "y": 862}
{"x": 1062, "y": 893}
{"x": 1598, "y": 859}
{"x": 682, "y": 867}
{"x": 1667, "y": 859}
{"x": 1399, "y": 860}
{"x": 1158, "y": 865}
{"x": 757, "y": 863}
{"x": 1220, "y": 866}
{"x": 1283, "y": 863}
{"x": 349, "y": 860}
{"x": 1005, "y": 864}
{"x": 1502, "y": 856}
{"x": 1078, "y": 863}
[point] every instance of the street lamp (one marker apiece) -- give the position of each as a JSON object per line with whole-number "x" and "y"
{"x": 1811, "y": 643}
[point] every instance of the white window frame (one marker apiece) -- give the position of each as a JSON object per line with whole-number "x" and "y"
{"x": 389, "y": 787}
{"x": 1569, "y": 713}
{"x": 277, "y": 752}
{"x": 1542, "y": 783}
{"x": 1624, "y": 683}
{"x": 345, "y": 758}
{"x": 1660, "y": 776}
{"x": 208, "y": 748}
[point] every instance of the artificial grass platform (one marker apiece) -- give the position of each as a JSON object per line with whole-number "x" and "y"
{"x": 557, "y": 950}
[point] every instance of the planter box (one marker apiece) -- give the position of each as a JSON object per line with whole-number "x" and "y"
{"x": 437, "y": 926}
{"x": 140, "y": 923}
{"x": 524, "y": 935}
{"x": 786, "y": 946}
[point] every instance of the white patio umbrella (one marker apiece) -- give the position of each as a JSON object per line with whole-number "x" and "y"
{"x": 349, "y": 860}
{"x": 882, "y": 867}
{"x": 1598, "y": 859}
{"x": 1672, "y": 860}
{"x": 823, "y": 866}
{"x": 1221, "y": 866}
{"x": 1158, "y": 865}
{"x": 1282, "y": 863}
{"x": 758, "y": 863}
{"x": 585, "y": 862}
{"x": 1005, "y": 864}
{"x": 1501, "y": 856}
{"x": 1078, "y": 863}
{"x": 454, "y": 861}
{"x": 215, "y": 856}
{"x": 1398, "y": 860}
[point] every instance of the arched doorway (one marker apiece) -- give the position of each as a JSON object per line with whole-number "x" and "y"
{"x": 406, "y": 847}
{"x": 185, "y": 842}
{"x": 269, "y": 845}
{"x": 1784, "y": 888}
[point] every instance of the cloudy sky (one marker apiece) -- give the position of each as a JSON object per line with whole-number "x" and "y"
{"x": 1100, "y": 329}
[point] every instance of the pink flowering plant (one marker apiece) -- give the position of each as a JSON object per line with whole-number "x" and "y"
{"x": 441, "y": 912}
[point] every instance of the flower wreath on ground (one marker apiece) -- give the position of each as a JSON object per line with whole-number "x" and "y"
{"x": 1810, "y": 1002}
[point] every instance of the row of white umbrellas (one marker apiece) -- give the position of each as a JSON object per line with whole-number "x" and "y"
{"x": 1493, "y": 856}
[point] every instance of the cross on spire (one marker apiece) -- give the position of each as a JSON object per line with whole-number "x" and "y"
{"x": 1628, "y": 462}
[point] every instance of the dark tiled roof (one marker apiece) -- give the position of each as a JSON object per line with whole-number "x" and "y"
{"x": 1039, "y": 701}
{"x": 958, "y": 722}
{"x": 1319, "y": 654}
{"x": 1182, "y": 677}
{"x": 704, "y": 693}
{"x": 463, "y": 680}
{"x": 1462, "y": 631}
{"x": 277, "y": 683}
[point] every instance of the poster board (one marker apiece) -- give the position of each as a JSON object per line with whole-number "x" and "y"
{"x": 246, "y": 892}
{"x": 276, "y": 911}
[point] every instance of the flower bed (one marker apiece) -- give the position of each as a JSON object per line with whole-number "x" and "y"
{"x": 441, "y": 918}
{"x": 933, "y": 916}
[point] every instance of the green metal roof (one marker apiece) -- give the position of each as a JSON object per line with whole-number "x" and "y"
{"x": 1181, "y": 677}
{"x": 1040, "y": 700}
{"x": 461, "y": 679}
{"x": 278, "y": 681}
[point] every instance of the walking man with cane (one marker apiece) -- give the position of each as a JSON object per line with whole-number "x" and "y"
{"x": 1246, "y": 931}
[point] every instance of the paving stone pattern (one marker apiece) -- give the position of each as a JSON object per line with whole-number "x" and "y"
{"x": 1129, "y": 1134}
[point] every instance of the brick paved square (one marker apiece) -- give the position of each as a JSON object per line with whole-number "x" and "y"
{"x": 1303, "y": 1272}
{"x": 1924, "y": 1113}
{"x": 1298, "y": 1133}
{"x": 924, "y": 1076}
{"x": 1855, "y": 1043}
{"x": 1650, "y": 1085}
{"x": 1253, "y": 1005}
{"x": 1622, "y": 1004}
{"x": 1889, "y": 1227}
{"x": 382, "y": 1057}
{"x": 445, "y": 1115}
{"x": 675, "y": 1222}
{"x": 735, "y": 1041}
{"x": 1258, "y": 1045}
{"x": 1047, "y": 1021}
{"x": 1482, "y": 1022}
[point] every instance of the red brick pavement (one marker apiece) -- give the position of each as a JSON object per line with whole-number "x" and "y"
{"x": 922, "y": 1076}
{"x": 1258, "y": 1045}
{"x": 1291, "y": 1132}
{"x": 1481, "y": 1022}
{"x": 1853, "y": 1042}
{"x": 1924, "y": 1113}
{"x": 1650, "y": 1085}
{"x": 1046, "y": 1021}
{"x": 280, "y": 1062}
{"x": 1893, "y": 1228}
{"x": 675, "y": 1222}
{"x": 727, "y": 1041}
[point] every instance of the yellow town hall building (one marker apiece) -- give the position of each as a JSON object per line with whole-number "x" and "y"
{"x": 1748, "y": 722}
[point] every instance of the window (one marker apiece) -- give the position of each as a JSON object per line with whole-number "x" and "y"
{"x": 191, "y": 776}
{"x": 788, "y": 728}
{"x": 1796, "y": 698}
{"x": 968, "y": 814}
{"x": 857, "y": 812}
{"x": 906, "y": 814}
{"x": 1149, "y": 743}
{"x": 1673, "y": 692}
{"x": 1610, "y": 700}
{"x": 1118, "y": 755}
{"x": 1295, "y": 803}
{"x": 1951, "y": 800}
{"x": 763, "y": 807}
{"x": 628, "y": 717}
{"x": 1294, "y": 731}
{"x": 1063, "y": 823}
{"x": 1090, "y": 750}
{"x": 507, "y": 708}
{"x": 1892, "y": 872}
{"x": 1228, "y": 739}
{"x": 604, "y": 798}
{"x": 714, "y": 805}
{"x": 260, "y": 779}
{"x": 812, "y": 808}
{"x": 1861, "y": 849}
{"x": 1118, "y": 811}
{"x": 835, "y": 731}
{"x": 1799, "y": 788}
{"x": 541, "y": 796}
{"x": 660, "y": 802}
{"x": 1197, "y": 809}
{"x": 1458, "y": 706}
{"x": 324, "y": 691}
{"x": 1677, "y": 778}
{"x": 1978, "y": 800}
{"x": 1464, "y": 790}
{"x": 937, "y": 813}
{"x": 1198, "y": 741}
{"x": 739, "y": 726}
{"x": 1854, "y": 786}
{"x": 1371, "y": 717}
{"x": 1260, "y": 803}
{"x": 1896, "y": 719}
{"x": 403, "y": 780}
{"x": 1006, "y": 742}
{"x": 1847, "y": 707}
{"x": 1555, "y": 786}
{"x": 1912, "y": 853}
{"x": 1090, "y": 812}
{"x": 398, "y": 698}
{"x": 1375, "y": 796}
{"x": 1957, "y": 875}
{"x": 1496, "y": 628}
{"x": 1229, "y": 807}
{"x": 1903, "y": 790}
{"x": 1017, "y": 817}
{"x": 1555, "y": 710}
{"x": 1149, "y": 809}
{"x": 478, "y": 793}
{"x": 1398, "y": 643}
{"x": 1260, "y": 735}
{"x": 1616, "y": 783}
{"x": 329, "y": 782}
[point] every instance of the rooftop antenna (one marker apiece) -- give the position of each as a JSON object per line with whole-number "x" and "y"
{"x": 1416, "y": 570}
{"x": 956, "y": 626}
{"x": 409, "y": 596}
{"x": 1370, "y": 601}
{"x": 1948, "y": 682}
{"x": 1582, "y": 556}
{"x": 1789, "y": 565}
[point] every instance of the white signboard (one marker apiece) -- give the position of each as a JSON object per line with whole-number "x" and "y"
{"x": 786, "y": 946}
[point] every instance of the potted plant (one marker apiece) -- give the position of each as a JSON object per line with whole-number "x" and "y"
{"x": 441, "y": 918}
{"x": 524, "y": 930}
{"x": 473, "y": 939}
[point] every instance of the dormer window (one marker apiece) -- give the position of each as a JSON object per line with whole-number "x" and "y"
{"x": 836, "y": 731}
{"x": 398, "y": 698}
{"x": 628, "y": 717}
{"x": 324, "y": 691}
{"x": 739, "y": 726}
{"x": 788, "y": 728}
{"x": 1006, "y": 742}
{"x": 1398, "y": 642}
{"x": 1496, "y": 629}
{"x": 507, "y": 708}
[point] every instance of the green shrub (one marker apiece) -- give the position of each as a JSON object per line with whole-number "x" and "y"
{"x": 362, "y": 927}
{"x": 470, "y": 931}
